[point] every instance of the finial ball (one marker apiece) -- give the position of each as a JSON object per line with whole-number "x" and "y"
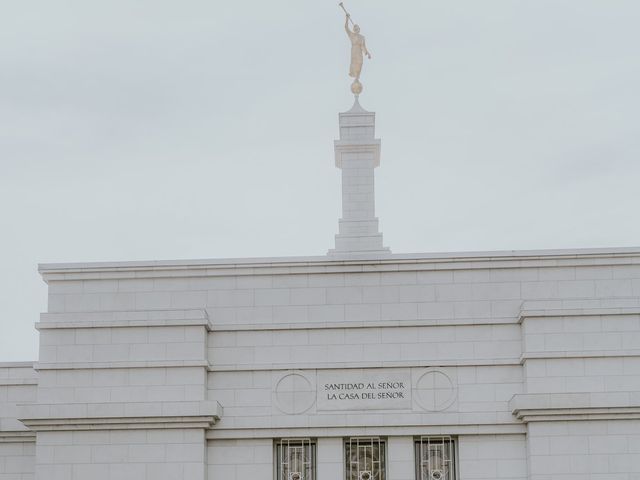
{"x": 356, "y": 87}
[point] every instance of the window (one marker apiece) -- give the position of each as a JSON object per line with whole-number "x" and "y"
{"x": 296, "y": 459}
{"x": 365, "y": 459}
{"x": 435, "y": 458}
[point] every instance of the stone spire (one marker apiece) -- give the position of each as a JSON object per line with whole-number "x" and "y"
{"x": 357, "y": 155}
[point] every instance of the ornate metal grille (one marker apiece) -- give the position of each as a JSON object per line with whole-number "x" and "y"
{"x": 296, "y": 459}
{"x": 435, "y": 458}
{"x": 365, "y": 459}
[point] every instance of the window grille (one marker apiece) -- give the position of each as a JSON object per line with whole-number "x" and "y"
{"x": 365, "y": 459}
{"x": 435, "y": 458}
{"x": 296, "y": 459}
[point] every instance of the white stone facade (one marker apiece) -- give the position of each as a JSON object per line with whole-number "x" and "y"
{"x": 529, "y": 361}
{"x": 358, "y": 365}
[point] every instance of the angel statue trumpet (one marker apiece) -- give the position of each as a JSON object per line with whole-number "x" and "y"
{"x": 358, "y": 50}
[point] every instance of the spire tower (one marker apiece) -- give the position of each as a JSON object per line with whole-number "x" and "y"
{"x": 357, "y": 154}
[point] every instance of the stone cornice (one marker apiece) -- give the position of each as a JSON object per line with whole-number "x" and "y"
{"x": 355, "y": 430}
{"x": 356, "y": 263}
{"x": 551, "y": 310}
{"x": 18, "y": 381}
{"x": 578, "y": 354}
{"x": 19, "y": 436}
{"x": 128, "y": 423}
{"x": 16, "y": 364}
{"x": 129, "y": 364}
{"x": 18, "y": 373}
{"x": 557, "y": 407}
{"x": 120, "y": 416}
{"x": 115, "y": 319}
{"x": 359, "y": 365}
{"x": 357, "y": 146}
{"x": 431, "y": 322}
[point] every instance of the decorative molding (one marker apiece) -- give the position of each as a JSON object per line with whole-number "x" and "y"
{"x": 121, "y": 319}
{"x": 120, "y": 416}
{"x": 129, "y": 423}
{"x": 358, "y": 365}
{"x": 440, "y": 322}
{"x": 323, "y": 264}
{"x": 355, "y": 430}
{"x": 352, "y": 145}
{"x": 553, "y": 311}
{"x": 575, "y": 414}
{"x": 559, "y": 407}
{"x": 123, "y": 324}
{"x": 8, "y": 382}
{"x": 130, "y": 364}
{"x": 19, "y": 436}
{"x": 578, "y": 354}
{"x": 16, "y": 364}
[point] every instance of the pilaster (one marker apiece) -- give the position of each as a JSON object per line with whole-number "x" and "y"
{"x": 122, "y": 394}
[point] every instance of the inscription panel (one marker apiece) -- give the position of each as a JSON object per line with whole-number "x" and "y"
{"x": 366, "y": 389}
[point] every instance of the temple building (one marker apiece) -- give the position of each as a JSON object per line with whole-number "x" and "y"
{"x": 360, "y": 364}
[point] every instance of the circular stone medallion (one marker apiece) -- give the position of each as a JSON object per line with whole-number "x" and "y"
{"x": 435, "y": 391}
{"x": 294, "y": 394}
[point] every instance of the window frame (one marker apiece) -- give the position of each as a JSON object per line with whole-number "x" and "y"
{"x": 381, "y": 441}
{"x": 419, "y": 443}
{"x": 303, "y": 442}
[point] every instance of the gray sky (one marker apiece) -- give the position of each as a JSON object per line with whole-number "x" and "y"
{"x": 158, "y": 129}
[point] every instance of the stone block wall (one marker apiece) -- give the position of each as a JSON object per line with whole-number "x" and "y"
{"x": 158, "y": 454}
{"x": 492, "y": 457}
{"x": 17, "y": 460}
{"x": 585, "y": 449}
{"x": 207, "y": 363}
{"x": 121, "y": 394}
{"x": 237, "y": 459}
{"x": 17, "y": 444}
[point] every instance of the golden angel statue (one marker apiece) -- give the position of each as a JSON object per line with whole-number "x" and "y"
{"x": 358, "y": 51}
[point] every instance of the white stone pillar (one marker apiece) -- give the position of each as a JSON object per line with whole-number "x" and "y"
{"x": 330, "y": 458}
{"x": 357, "y": 154}
{"x": 401, "y": 458}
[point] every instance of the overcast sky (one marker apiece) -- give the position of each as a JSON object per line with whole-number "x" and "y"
{"x": 135, "y": 130}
